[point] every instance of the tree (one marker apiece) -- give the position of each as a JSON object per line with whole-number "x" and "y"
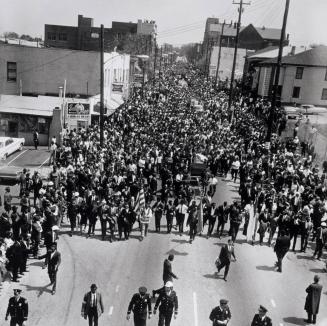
{"x": 10, "y": 35}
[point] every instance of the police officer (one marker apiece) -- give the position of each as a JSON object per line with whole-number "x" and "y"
{"x": 221, "y": 314}
{"x": 168, "y": 302}
{"x": 261, "y": 319}
{"x": 17, "y": 309}
{"x": 141, "y": 306}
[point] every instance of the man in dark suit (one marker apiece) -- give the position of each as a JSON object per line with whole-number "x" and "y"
{"x": 53, "y": 260}
{"x": 140, "y": 304}
{"x": 92, "y": 208}
{"x": 261, "y": 319}
{"x": 168, "y": 302}
{"x": 312, "y": 300}
{"x": 92, "y": 306}
{"x": 282, "y": 246}
{"x": 222, "y": 213}
{"x": 17, "y": 309}
{"x": 225, "y": 257}
{"x": 168, "y": 274}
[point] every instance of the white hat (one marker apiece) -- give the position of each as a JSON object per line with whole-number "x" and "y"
{"x": 76, "y": 194}
{"x": 55, "y": 228}
{"x": 50, "y": 183}
{"x": 169, "y": 284}
{"x": 323, "y": 224}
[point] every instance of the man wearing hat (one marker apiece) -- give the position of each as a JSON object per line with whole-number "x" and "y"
{"x": 17, "y": 309}
{"x": 168, "y": 302}
{"x": 261, "y": 319}
{"x": 221, "y": 314}
{"x": 92, "y": 306}
{"x": 140, "y": 305}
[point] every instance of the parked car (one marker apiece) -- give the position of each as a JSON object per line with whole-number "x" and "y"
{"x": 306, "y": 109}
{"x": 10, "y": 145}
{"x": 291, "y": 112}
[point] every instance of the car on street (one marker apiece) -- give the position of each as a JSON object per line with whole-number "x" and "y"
{"x": 10, "y": 145}
{"x": 306, "y": 109}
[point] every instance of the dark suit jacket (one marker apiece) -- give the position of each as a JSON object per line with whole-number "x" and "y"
{"x": 312, "y": 300}
{"x": 52, "y": 262}
{"x": 168, "y": 274}
{"x": 18, "y": 309}
{"x": 86, "y": 305}
{"x": 225, "y": 254}
{"x": 168, "y": 303}
{"x": 282, "y": 244}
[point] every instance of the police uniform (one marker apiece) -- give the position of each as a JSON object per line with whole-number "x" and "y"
{"x": 17, "y": 309}
{"x": 258, "y": 321}
{"x": 168, "y": 303}
{"x": 262, "y": 320}
{"x": 220, "y": 313}
{"x": 140, "y": 305}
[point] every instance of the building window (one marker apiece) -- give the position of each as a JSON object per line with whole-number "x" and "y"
{"x": 299, "y": 72}
{"x": 11, "y": 71}
{"x": 62, "y": 37}
{"x": 296, "y": 92}
{"x": 51, "y": 36}
{"x": 324, "y": 94}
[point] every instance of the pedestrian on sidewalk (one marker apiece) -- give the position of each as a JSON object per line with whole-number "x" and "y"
{"x": 312, "y": 301}
{"x": 92, "y": 306}
{"x": 225, "y": 257}
{"x": 221, "y": 314}
{"x": 282, "y": 246}
{"x": 35, "y": 138}
{"x": 140, "y": 304}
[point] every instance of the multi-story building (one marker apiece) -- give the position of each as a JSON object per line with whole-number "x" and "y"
{"x": 86, "y": 36}
{"x": 35, "y": 72}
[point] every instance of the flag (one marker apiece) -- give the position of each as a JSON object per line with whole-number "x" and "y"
{"x": 200, "y": 217}
{"x": 140, "y": 201}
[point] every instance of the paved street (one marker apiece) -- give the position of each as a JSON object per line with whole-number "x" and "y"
{"x": 121, "y": 267}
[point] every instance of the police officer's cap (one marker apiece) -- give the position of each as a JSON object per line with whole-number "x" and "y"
{"x": 17, "y": 290}
{"x": 93, "y": 286}
{"x": 142, "y": 289}
{"x": 263, "y": 309}
{"x": 223, "y": 301}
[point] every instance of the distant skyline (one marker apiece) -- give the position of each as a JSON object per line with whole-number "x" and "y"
{"x": 179, "y": 22}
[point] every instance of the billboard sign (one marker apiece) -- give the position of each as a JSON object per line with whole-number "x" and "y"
{"x": 78, "y": 110}
{"x": 117, "y": 88}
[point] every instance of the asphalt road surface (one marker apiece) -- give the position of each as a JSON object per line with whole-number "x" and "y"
{"x": 119, "y": 268}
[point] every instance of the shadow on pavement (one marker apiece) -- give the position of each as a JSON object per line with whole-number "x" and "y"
{"x": 214, "y": 276}
{"x": 176, "y": 253}
{"x": 40, "y": 289}
{"x": 294, "y": 320}
{"x": 266, "y": 268}
{"x": 180, "y": 241}
{"x": 317, "y": 270}
{"x": 39, "y": 263}
{"x": 304, "y": 257}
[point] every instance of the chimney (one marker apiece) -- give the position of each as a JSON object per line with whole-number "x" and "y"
{"x": 61, "y": 91}
{"x": 293, "y": 50}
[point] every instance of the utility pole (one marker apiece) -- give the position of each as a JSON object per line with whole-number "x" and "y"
{"x": 219, "y": 53}
{"x": 160, "y": 69}
{"x": 240, "y": 11}
{"x": 101, "y": 84}
{"x": 155, "y": 63}
{"x": 209, "y": 59}
{"x": 276, "y": 81}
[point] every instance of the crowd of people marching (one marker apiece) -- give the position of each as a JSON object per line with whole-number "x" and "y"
{"x": 143, "y": 172}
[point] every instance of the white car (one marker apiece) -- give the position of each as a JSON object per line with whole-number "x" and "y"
{"x": 311, "y": 109}
{"x": 10, "y": 145}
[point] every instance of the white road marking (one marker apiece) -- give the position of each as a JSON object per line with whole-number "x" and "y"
{"x": 43, "y": 163}
{"x": 117, "y": 288}
{"x": 195, "y": 309}
{"x": 273, "y": 303}
{"x": 17, "y": 156}
{"x": 110, "y": 310}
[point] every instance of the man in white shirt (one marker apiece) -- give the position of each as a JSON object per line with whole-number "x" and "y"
{"x": 181, "y": 210}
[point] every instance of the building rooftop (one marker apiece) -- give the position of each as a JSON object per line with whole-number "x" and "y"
{"x": 316, "y": 57}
